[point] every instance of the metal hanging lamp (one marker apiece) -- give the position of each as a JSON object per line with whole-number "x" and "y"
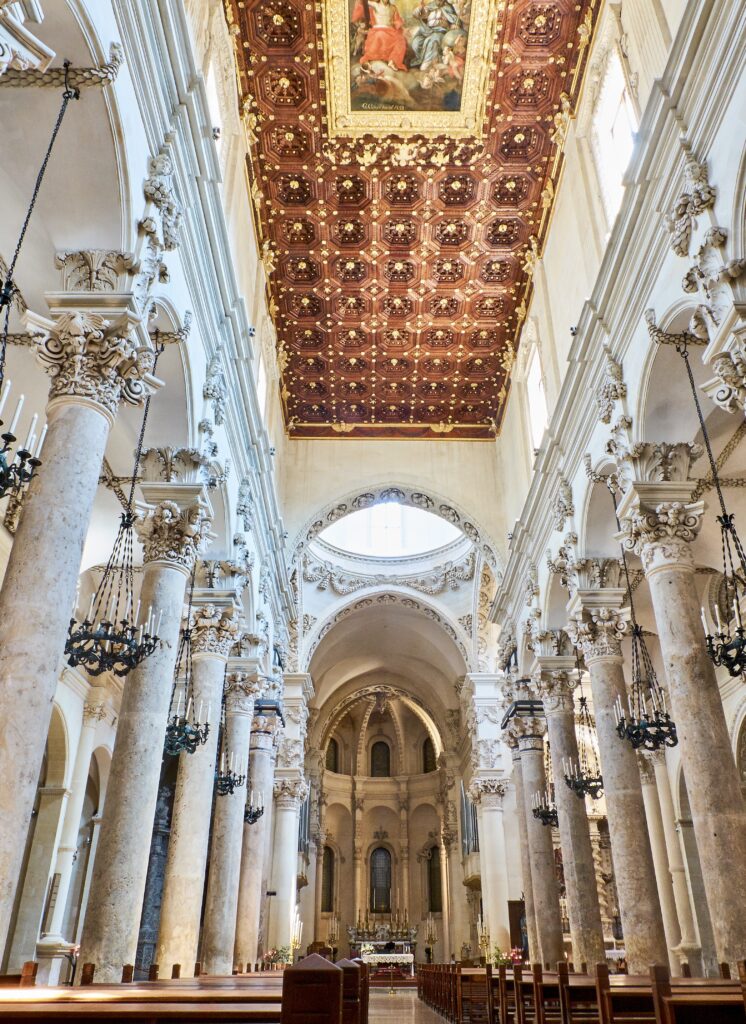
{"x": 583, "y": 776}
{"x": 544, "y": 806}
{"x": 229, "y": 774}
{"x": 187, "y": 726}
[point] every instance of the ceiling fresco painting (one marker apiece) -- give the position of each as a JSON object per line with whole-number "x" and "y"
{"x": 403, "y": 161}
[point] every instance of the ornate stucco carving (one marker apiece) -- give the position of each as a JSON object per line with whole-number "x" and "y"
{"x": 159, "y": 189}
{"x": 563, "y": 507}
{"x": 696, "y": 196}
{"x": 599, "y": 633}
{"x": 215, "y": 389}
{"x": 612, "y": 388}
{"x": 93, "y": 270}
{"x": 663, "y": 535}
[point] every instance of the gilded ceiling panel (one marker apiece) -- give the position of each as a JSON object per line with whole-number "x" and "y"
{"x": 403, "y": 162}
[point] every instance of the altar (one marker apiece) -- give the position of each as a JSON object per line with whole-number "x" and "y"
{"x": 376, "y": 960}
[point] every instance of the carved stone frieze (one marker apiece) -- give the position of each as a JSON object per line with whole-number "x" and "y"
{"x": 92, "y": 357}
{"x": 172, "y": 534}
{"x": 440, "y": 578}
{"x": 290, "y": 753}
{"x": 486, "y": 754}
{"x": 214, "y": 630}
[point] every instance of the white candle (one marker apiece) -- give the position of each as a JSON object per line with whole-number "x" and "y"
{"x": 704, "y": 620}
{"x": 158, "y": 625}
{"x": 90, "y": 609}
{"x": 31, "y": 430}
{"x": 189, "y": 707}
{"x": 717, "y": 618}
{"x": 178, "y": 707}
{"x": 199, "y": 713}
{"x": 16, "y": 414}
{"x": 209, "y": 703}
{"x": 137, "y": 612}
{"x": 5, "y": 393}
{"x": 41, "y": 441}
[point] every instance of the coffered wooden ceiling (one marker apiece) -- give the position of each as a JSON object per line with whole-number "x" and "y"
{"x": 401, "y": 197}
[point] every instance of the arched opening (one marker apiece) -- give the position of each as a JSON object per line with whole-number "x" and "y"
{"x": 429, "y": 761}
{"x": 380, "y": 881}
{"x": 434, "y": 882}
{"x": 327, "y": 881}
{"x": 332, "y": 756}
{"x": 380, "y": 760}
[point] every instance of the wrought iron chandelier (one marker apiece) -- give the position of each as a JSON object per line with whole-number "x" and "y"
{"x": 646, "y": 721}
{"x": 114, "y": 636}
{"x": 254, "y": 808}
{"x": 728, "y": 645}
{"x": 583, "y": 776}
{"x": 17, "y": 470}
{"x": 543, "y": 805}
{"x": 187, "y": 726}
{"x": 229, "y": 774}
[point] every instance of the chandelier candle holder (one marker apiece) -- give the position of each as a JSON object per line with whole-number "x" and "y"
{"x": 544, "y": 808}
{"x": 187, "y": 726}
{"x": 17, "y": 468}
{"x": 228, "y": 777}
{"x": 483, "y": 936}
{"x": 332, "y": 931}
{"x": 727, "y": 647}
{"x": 583, "y": 776}
{"x": 254, "y": 808}
{"x": 645, "y": 722}
{"x": 431, "y": 931}
{"x": 296, "y": 934}
{"x": 115, "y": 636}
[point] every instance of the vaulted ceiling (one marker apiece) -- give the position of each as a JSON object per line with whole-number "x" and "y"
{"x": 402, "y": 180}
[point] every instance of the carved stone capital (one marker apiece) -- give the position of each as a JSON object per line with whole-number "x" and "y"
{"x": 214, "y": 630}
{"x": 172, "y": 534}
{"x": 662, "y": 536}
{"x": 93, "y": 711}
{"x": 653, "y": 462}
{"x": 599, "y": 633}
{"x": 555, "y": 689}
{"x": 290, "y": 793}
{"x": 95, "y": 270}
{"x": 488, "y": 790}
{"x": 91, "y": 357}
{"x": 529, "y": 731}
{"x": 240, "y": 691}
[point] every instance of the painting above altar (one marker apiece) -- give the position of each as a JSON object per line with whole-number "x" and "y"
{"x": 401, "y": 67}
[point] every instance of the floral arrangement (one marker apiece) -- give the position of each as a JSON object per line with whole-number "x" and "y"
{"x": 367, "y": 947}
{"x": 277, "y": 956}
{"x": 509, "y": 959}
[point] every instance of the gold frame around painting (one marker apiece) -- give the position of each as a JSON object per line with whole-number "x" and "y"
{"x": 466, "y": 122}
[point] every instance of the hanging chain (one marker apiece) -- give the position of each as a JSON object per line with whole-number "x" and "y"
{"x": 141, "y": 439}
{"x": 8, "y": 288}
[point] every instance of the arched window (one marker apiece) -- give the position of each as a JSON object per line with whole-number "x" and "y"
{"x": 429, "y": 763}
{"x": 380, "y": 881}
{"x": 613, "y": 133}
{"x": 380, "y": 760}
{"x": 327, "y": 881}
{"x": 332, "y": 756}
{"x": 434, "y": 887}
{"x": 538, "y": 415}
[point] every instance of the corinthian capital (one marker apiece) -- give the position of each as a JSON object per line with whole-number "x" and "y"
{"x": 488, "y": 790}
{"x": 214, "y": 630}
{"x": 529, "y": 731}
{"x": 663, "y": 535}
{"x": 599, "y": 633}
{"x": 92, "y": 357}
{"x": 555, "y": 689}
{"x": 653, "y": 462}
{"x": 290, "y": 792}
{"x": 172, "y": 534}
{"x": 239, "y": 692}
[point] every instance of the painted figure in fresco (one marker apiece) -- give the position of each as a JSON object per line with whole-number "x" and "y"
{"x": 440, "y": 27}
{"x": 385, "y": 39}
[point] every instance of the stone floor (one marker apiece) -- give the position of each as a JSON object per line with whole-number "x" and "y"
{"x": 402, "y": 1008}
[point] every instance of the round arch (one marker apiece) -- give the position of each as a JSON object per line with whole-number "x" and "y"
{"x": 404, "y": 495}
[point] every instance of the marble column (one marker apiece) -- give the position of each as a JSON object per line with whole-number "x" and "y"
{"x": 251, "y": 892}
{"x": 289, "y": 794}
{"x": 534, "y": 952}
{"x": 94, "y": 366}
{"x": 445, "y": 890}
{"x": 172, "y": 536}
{"x": 530, "y": 735}
{"x": 93, "y": 712}
{"x": 599, "y": 627}
{"x": 460, "y": 924}
{"x": 586, "y": 930}
{"x": 660, "y": 522}
{"x": 221, "y": 904}
{"x": 147, "y": 939}
{"x": 319, "y": 842}
{"x": 660, "y": 862}
{"x": 213, "y": 633}
{"x": 404, "y": 847}
{"x": 688, "y": 950}
{"x": 360, "y": 898}
{"x": 487, "y": 793}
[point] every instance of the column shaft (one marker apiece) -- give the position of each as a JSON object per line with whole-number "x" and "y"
{"x": 541, "y": 854}
{"x": 221, "y": 905}
{"x": 181, "y": 906}
{"x": 251, "y": 893}
{"x": 285, "y": 864}
{"x": 644, "y": 938}
{"x": 528, "y": 892}
{"x": 44, "y": 560}
{"x": 577, "y": 854}
{"x": 689, "y": 949}
{"x": 113, "y": 919}
{"x": 718, "y": 811}
{"x": 489, "y": 796}
{"x": 660, "y": 863}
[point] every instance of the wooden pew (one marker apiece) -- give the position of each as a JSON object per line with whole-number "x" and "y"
{"x": 578, "y": 999}
{"x": 312, "y": 992}
{"x": 473, "y": 995}
{"x": 707, "y": 1003}
{"x": 351, "y": 991}
{"x": 546, "y": 996}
